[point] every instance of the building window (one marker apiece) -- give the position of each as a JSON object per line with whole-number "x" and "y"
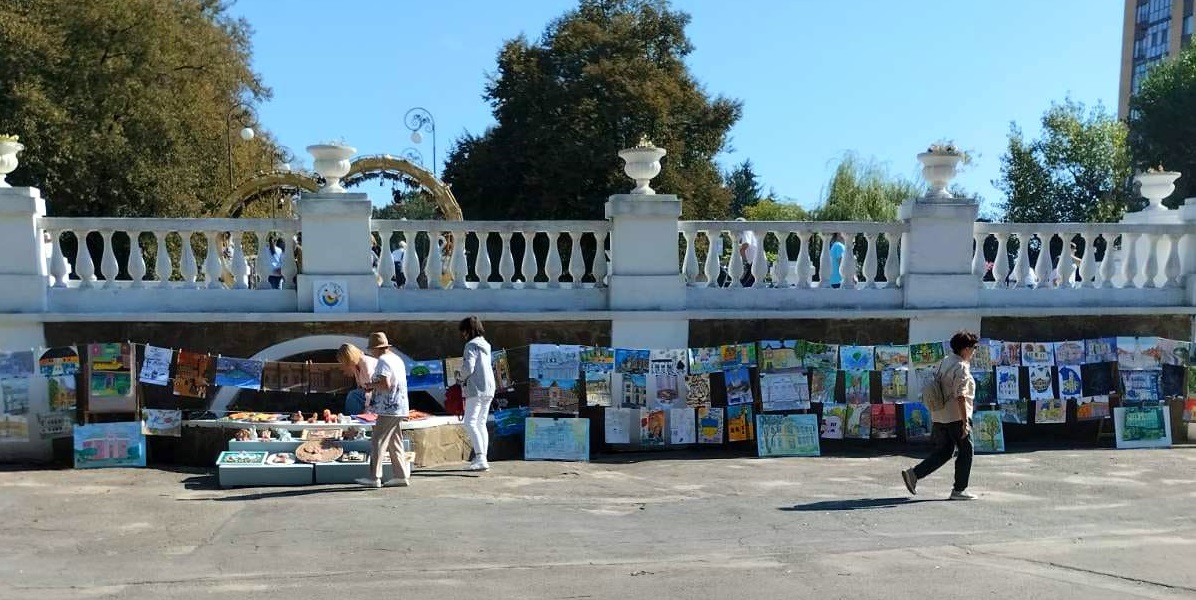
{"x": 1188, "y": 25}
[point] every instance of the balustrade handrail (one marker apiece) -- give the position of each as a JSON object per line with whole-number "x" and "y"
{"x": 493, "y": 226}
{"x": 853, "y": 227}
{"x": 166, "y": 224}
{"x": 1076, "y": 228}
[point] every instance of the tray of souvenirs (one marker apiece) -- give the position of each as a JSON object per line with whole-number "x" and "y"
{"x": 241, "y": 458}
{"x": 319, "y": 451}
{"x": 355, "y": 456}
{"x": 281, "y": 458}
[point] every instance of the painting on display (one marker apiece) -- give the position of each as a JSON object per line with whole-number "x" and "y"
{"x": 1042, "y": 385}
{"x": 1174, "y": 352}
{"x": 1100, "y": 350}
{"x": 617, "y": 424}
{"x": 53, "y": 426}
{"x": 1069, "y": 353}
{"x": 109, "y": 445}
{"x": 629, "y": 391}
{"x": 163, "y": 422}
{"x": 740, "y": 424}
{"x": 511, "y": 421}
{"x": 857, "y": 387}
{"x": 653, "y": 425}
{"x": 1171, "y": 382}
{"x": 1090, "y": 408}
{"x": 894, "y": 385}
{"x": 787, "y": 435}
{"x": 668, "y": 362}
{"x": 501, "y": 363}
{"x": 14, "y": 410}
{"x": 1189, "y": 410}
{"x": 58, "y": 362}
{"x": 926, "y": 354}
{"x": 919, "y": 379}
{"x": 1098, "y": 379}
{"x": 63, "y": 394}
{"x": 1190, "y": 383}
{"x": 1038, "y": 354}
{"x": 834, "y": 421}
{"x": 986, "y": 387}
{"x": 785, "y": 390}
{"x": 596, "y": 359}
{"x": 1141, "y": 353}
{"x": 917, "y": 422}
{"x": 822, "y": 385}
{"x": 697, "y": 391}
{"x": 816, "y": 355}
{"x": 155, "y": 366}
{"x": 710, "y": 425}
{"x": 428, "y": 375}
{"x": 681, "y": 426}
{"x": 284, "y": 377}
{"x": 16, "y": 365}
{"x": 191, "y": 374}
{"x": 239, "y": 373}
{"x": 1071, "y": 385}
{"x": 857, "y": 358}
{"x": 892, "y": 357}
{"x": 110, "y": 379}
{"x": 741, "y": 355}
{"x": 242, "y": 457}
{"x": 982, "y": 359}
{"x": 631, "y": 362}
{"x": 553, "y": 396}
{"x": 739, "y": 386}
{"x": 1011, "y": 354}
{"x": 665, "y": 391}
{"x": 598, "y": 388}
{"x": 778, "y": 355}
{"x": 556, "y": 439}
{"x": 328, "y": 378}
{"x": 116, "y": 356}
{"x": 1140, "y": 386}
{"x": 1015, "y": 411}
{"x": 1051, "y": 410}
{"x": 989, "y": 431}
{"x": 454, "y": 371}
{"x": 859, "y": 421}
{"x": 884, "y": 421}
{"x": 1142, "y": 427}
{"x": 549, "y": 362}
{"x": 704, "y": 361}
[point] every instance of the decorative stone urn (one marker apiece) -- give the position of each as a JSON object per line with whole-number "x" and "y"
{"x": 642, "y": 164}
{"x": 332, "y": 163}
{"x": 1155, "y": 186}
{"x": 8, "y": 157}
{"x": 938, "y": 169}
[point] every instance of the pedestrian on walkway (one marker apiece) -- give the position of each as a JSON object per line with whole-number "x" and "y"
{"x": 389, "y": 401}
{"x": 478, "y": 388}
{"x": 952, "y": 423}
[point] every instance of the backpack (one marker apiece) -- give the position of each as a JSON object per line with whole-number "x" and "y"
{"x": 454, "y": 401}
{"x": 932, "y": 391}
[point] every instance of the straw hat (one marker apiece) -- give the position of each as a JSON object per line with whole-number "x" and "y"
{"x": 378, "y": 341}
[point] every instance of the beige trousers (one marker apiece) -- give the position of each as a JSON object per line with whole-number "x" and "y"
{"x": 388, "y": 437}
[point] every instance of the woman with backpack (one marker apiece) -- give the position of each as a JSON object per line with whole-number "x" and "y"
{"x": 949, "y": 397}
{"x": 478, "y": 388}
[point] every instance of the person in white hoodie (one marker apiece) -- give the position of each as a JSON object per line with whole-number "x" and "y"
{"x": 478, "y": 389}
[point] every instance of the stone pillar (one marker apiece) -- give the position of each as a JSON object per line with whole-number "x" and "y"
{"x": 645, "y": 276}
{"x": 23, "y": 278}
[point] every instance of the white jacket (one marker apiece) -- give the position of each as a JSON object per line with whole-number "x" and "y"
{"x": 478, "y": 371}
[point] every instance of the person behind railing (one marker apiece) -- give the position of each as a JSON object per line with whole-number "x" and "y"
{"x": 748, "y": 246}
{"x": 277, "y": 247}
{"x": 398, "y": 255}
{"x": 838, "y": 249}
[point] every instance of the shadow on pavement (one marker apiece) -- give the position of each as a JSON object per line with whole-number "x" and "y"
{"x": 857, "y": 504}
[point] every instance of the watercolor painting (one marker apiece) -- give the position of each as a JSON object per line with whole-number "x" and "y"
{"x": 1174, "y": 352}
{"x": 1038, "y": 354}
{"x": 617, "y": 425}
{"x": 822, "y": 385}
{"x": 191, "y": 374}
{"x": 666, "y": 391}
{"x": 596, "y": 359}
{"x": 165, "y": 422}
{"x": 884, "y": 421}
{"x": 777, "y": 355}
{"x": 553, "y": 396}
{"x": 1011, "y": 354}
{"x": 1142, "y": 427}
{"x": 1041, "y": 383}
{"x": 710, "y": 425}
{"x": 989, "y": 431}
{"x": 926, "y": 354}
{"x": 857, "y": 358}
{"x": 1140, "y": 386}
{"x": 1009, "y": 383}
{"x": 697, "y": 391}
{"x": 500, "y": 362}
{"x": 1100, "y": 350}
{"x": 511, "y": 421}
{"x": 1015, "y": 411}
{"x": 741, "y": 355}
{"x": 155, "y": 366}
{"x": 834, "y": 421}
{"x": 816, "y": 355}
{"x": 787, "y": 435}
{"x": 14, "y": 410}
{"x": 985, "y": 357}
{"x": 857, "y": 387}
{"x": 117, "y": 356}
{"x": 1071, "y": 385}
{"x": 652, "y": 427}
{"x": 239, "y": 373}
{"x": 58, "y": 362}
{"x": 548, "y": 362}
{"x": 739, "y": 386}
{"x": 556, "y": 439}
{"x": 740, "y": 424}
{"x": 1141, "y": 353}
{"x": 1052, "y": 410}
{"x": 682, "y": 425}
{"x": 704, "y": 361}
{"x": 598, "y": 391}
{"x": 1090, "y": 408}
{"x": 631, "y": 390}
{"x": 917, "y": 422}
{"x": 986, "y": 387}
{"x": 109, "y": 445}
{"x": 859, "y": 421}
{"x": 427, "y": 375}
{"x": 892, "y": 357}
{"x": 1069, "y": 353}
{"x": 631, "y": 362}
{"x": 785, "y": 390}
{"x": 894, "y": 385}
{"x": 63, "y": 395}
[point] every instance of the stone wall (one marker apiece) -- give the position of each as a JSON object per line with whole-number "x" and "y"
{"x": 1176, "y": 327}
{"x": 832, "y": 331}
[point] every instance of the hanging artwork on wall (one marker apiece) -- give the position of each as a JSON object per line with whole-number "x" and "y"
{"x": 884, "y": 421}
{"x": 1090, "y": 408}
{"x": 629, "y": 391}
{"x": 989, "y": 429}
{"x": 429, "y": 375}
{"x": 511, "y": 421}
{"x": 787, "y": 435}
{"x": 58, "y": 362}
{"x": 1038, "y": 354}
{"x": 1051, "y": 410}
{"x": 556, "y": 439}
{"x": 697, "y": 391}
{"x": 1041, "y": 383}
{"x": 501, "y": 363}
{"x": 165, "y": 422}
{"x": 1097, "y": 379}
{"x": 1011, "y": 354}
{"x": 596, "y": 359}
{"x": 1069, "y": 353}
{"x": 116, "y": 356}
{"x": 110, "y": 379}
{"x": 553, "y": 396}
{"x": 328, "y": 378}
{"x": 986, "y": 387}
{"x": 1174, "y": 352}
{"x": 109, "y": 445}
{"x": 653, "y": 425}
{"x": 983, "y": 358}
{"x": 739, "y": 386}
{"x": 1070, "y": 382}
{"x": 191, "y": 374}
{"x": 548, "y": 362}
{"x": 14, "y": 411}
{"x": 1140, "y": 386}
{"x": 857, "y": 358}
{"x": 777, "y": 355}
{"x": 705, "y": 361}
{"x": 834, "y": 421}
{"x": 681, "y": 426}
{"x": 239, "y": 373}
{"x": 785, "y": 390}
{"x": 710, "y": 425}
{"x": 155, "y": 366}
{"x": 285, "y": 377}
{"x": 1100, "y": 350}
{"x": 1015, "y": 411}
{"x": 1171, "y": 383}
{"x": 1142, "y": 427}
{"x": 892, "y": 357}
{"x": 63, "y": 397}
{"x": 1141, "y": 353}
{"x": 741, "y": 355}
{"x": 818, "y": 356}
{"x": 822, "y": 385}
{"x": 631, "y": 362}
{"x": 859, "y": 421}
{"x": 894, "y": 385}
{"x": 917, "y": 422}
{"x": 617, "y": 425}
{"x": 740, "y": 423}
{"x": 926, "y": 354}
{"x": 454, "y": 371}
{"x": 598, "y": 390}
{"x": 857, "y": 387}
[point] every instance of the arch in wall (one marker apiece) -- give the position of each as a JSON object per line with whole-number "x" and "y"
{"x": 312, "y": 343}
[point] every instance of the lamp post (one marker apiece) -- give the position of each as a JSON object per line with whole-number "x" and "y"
{"x": 418, "y": 119}
{"x": 243, "y": 113}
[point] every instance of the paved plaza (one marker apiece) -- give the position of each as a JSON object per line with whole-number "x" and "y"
{"x": 1052, "y": 524}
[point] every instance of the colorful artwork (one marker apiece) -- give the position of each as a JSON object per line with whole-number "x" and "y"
{"x": 742, "y": 355}
{"x": 328, "y": 378}
{"x": 668, "y": 362}
{"x": 1011, "y": 354}
{"x": 1015, "y": 411}
{"x": 818, "y": 356}
{"x": 1038, "y": 354}
{"x": 985, "y": 357}
{"x": 14, "y": 410}
{"x": 116, "y": 356}
{"x": 739, "y": 386}
{"x": 892, "y": 357}
{"x": 191, "y": 374}
{"x": 697, "y": 391}
{"x": 857, "y": 387}
{"x": 1069, "y": 353}
{"x": 57, "y": 362}
{"x": 787, "y": 435}
{"x": 926, "y": 354}
{"x": 110, "y": 445}
{"x": 155, "y": 366}
{"x": 500, "y": 362}
{"x": 857, "y": 358}
{"x": 703, "y": 361}
{"x": 556, "y": 439}
{"x": 740, "y": 424}
{"x": 779, "y": 355}
{"x": 682, "y": 426}
{"x": 665, "y": 391}
{"x": 710, "y": 425}
{"x": 429, "y": 374}
{"x": 1041, "y": 382}
{"x": 110, "y": 381}
{"x": 631, "y": 362}
{"x": 1140, "y": 386}
{"x": 63, "y": 395}
{"x": 785, "y": 390}
{"x": 1142, "y": 427}
{"x": 16, "y": 365}
{"x": 595, "y": 359}
{"x": 454, "y": 371}
{"x": 511, "y": 421}
{"x": 52, "y": 426}
{"x": 330, "y": 296}
{"x": 1052, "y": 410}
{"x": 652, "y": 427}
{"x": 631, "y": 390}
{"x": 884, "y": 421}
{"x": 553, "y": 396}
{"x": 834, "y": 421}
{"x": 617, "y": 424}
{"x": 918, "y": 379}
{"x": 1190, "y": 383}
{"x": 859, "y": 421}
{"x": 162, "y": 422}
{"x": 1090, "y": 408}
{"x": 1098, "y": 379}
{"x": 285, "y": 377}
{"x": 986, "y": 387}
{"x": 1189, "y": 410}
{"x": 822, "y": 385}
{"x": 917, "y": 422}
{"x": 1100, "y": 350}
{"x": 1139, "y": 353}
{"x": 989, "y": 431}
{"x": 242, "y": 457}
{"x": 894, "y": 385}
{"x": 549, "y": 362}
{"x": 1174, "y": 352}
{"x": 1070, "y": 382}
{"x": 240, "y": 373}
{"x": 598, "y": 388}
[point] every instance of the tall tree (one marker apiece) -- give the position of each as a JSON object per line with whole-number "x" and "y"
{"x": 863, "y": 191}
{"x": 1077, "y": 171}
{"x": 124, "y": 105}
{"x": 745, "y": 188}
{"x": 599, "y": 77}
{"x": 1163, "y": 122}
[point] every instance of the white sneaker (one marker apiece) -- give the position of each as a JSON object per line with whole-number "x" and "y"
{"x": 396, "y": 482}
{"x": 478, "y": 466}
{"x": 962, "y": 496}
{"x": 369, "y": 482}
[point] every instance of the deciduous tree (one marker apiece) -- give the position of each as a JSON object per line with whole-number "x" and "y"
{"x": 1163, "y": 122}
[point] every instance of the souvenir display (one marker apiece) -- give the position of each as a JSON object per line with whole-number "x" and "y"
{"x": 281, "y": 458}
{"x": 319, "y": 451}
{"x": 242, "y": 457}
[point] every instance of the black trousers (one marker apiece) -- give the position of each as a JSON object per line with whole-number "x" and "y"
{"x": 947, "y": 438}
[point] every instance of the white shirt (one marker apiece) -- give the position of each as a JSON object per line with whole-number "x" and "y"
{"x": 753, "y": 247}
{"x": 391, "y": 401}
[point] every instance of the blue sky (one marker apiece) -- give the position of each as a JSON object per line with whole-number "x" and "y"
{"x": 818, "y": 78}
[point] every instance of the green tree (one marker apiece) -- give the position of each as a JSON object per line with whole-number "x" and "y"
{"x": 863, "y": 191}
{"x": 745, "y": 188}
{"x": 769, "y": 209}
{"x": 598, "y": 78}
{"x": 1163, "y": 122}
{"x": 123, "y": 105}
{"x": 1077, "y": 171}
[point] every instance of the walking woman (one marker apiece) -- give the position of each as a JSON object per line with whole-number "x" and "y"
{"x": 951, "y": 430}
{"x": 478, "y": 389}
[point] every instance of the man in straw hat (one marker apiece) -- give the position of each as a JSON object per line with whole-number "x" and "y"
{"x": 389, "y": 402}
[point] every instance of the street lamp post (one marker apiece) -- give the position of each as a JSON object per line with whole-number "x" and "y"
{"x": 244, "y": 115}
{"x": 418, "y": 119}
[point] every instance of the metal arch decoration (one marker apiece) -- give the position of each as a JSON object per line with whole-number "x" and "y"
{"x": 442, "y": 195}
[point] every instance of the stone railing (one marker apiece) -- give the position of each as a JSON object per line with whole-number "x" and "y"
{"x": 479, "y": 255}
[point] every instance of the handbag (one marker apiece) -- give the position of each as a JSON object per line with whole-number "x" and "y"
{"x": 454, "y": 401}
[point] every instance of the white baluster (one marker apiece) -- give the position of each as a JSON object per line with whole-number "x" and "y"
{"x": 261, "y": 264}
{"x": 577, "y": 267}
{"x": 435, "y": 263}
{"x": 1152, "y": 261}
{"x": 712, "y": 265}
{"x": 735, "y": 269}
{"x": 1088, "y": 262}
{"x": 108, "y": 265}
{"x": 386, "y": 261}
{"x": 804, "y": 268}
{"x": 1129, "y": 266}
{"x": 162, "y": 265}
{"x": 411, "y": 262}
{"x": 783, "y": 265}
{"x": 137, "y": 267}
{"x": 1001, "y": 260}
{"x": 1067, "y": 262}
{"x": 1042, "y": 268}
{"x": 189, "y": 268}
{"x": 847, "y": 264}
{"x": 689, "y": 267}
{"x": 84, "y": 266}
{"x": 506, "y": 261}
{"x": 290, "y": 266}
{"x": 901, "y": 264}
{"x": 211, "y": 265}
{"x": 1022, "y": 264}
{"x": 1104, "y": 275}
{"x": 482, "y": 265}
{"x": 240, "y": 266}
{"x": 892, "y": 260}
{"x": 529, "y": 264}
{"x": 760, "y": 261}
{"x": 600, "y": 262}
{"x": 553, "y": 268}
{"x": 460, "y": 265}
{"x": 870, "y": 260}
{"x": 978, "y": 260}
{"x": 59, "y": 269}
{"x": 1172, "y": 269}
